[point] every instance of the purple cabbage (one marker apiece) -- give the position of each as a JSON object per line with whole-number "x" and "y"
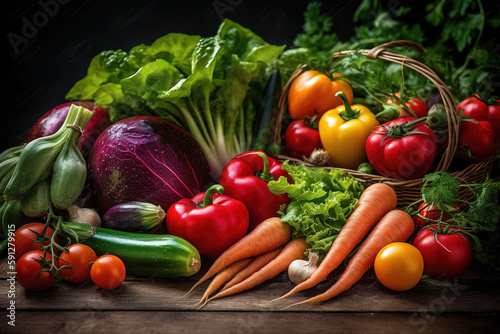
{"x": 146, "y": 159}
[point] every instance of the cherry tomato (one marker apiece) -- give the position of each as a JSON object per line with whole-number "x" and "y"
{"x": 30, "y": 274}
{"x": 24, "y": 236}
{"x": 301, "y": 138}
{"x": 430, "y": 214}
{"x": 80, "y": 258}
{"x": 417, "y": 105}
{"x": 108, "y": 272}
{"x": 448, "y": 254}
{"x": 399, "y": 266}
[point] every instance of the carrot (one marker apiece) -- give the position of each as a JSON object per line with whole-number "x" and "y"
{"x": 253, "y": 267}
{"x": 395, "y": 226}
{"x": 225, "y": 275}
{"x": 375, "y": 201}
{"x": 293, "y": 250}
{"x": 268, "y": 235}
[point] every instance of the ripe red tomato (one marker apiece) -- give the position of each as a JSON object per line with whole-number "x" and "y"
{"x": 481, "y": 111}
{"x": 430, "y": 213}
{"x": 30, "y": 274}
{"x": 417, "y": 105}
{"x": 301, "y": 138}
{"x": 24, "y": 236}
{"x": 108, "y": 272}
{"x": 394, "y": 150}
{"x": 80, "y": 258}
{"x": 476, "y": 140}
{"x": 446, "y": 256}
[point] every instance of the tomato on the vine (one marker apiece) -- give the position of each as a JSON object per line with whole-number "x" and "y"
{"x": 24, "y": 238}
{"x": 80, "y": 258}
{"x": 33, "y": 275}
{"x": 108, "y": 272}
{"x": 399, "y": 266}
{"x": 302, "y": 138}
{"x": 447, "y": 252}
{"x": 417, "y": 105}
{"x": 429, "y": 215}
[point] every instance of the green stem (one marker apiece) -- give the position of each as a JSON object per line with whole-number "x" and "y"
{"x": 265, "y": 174}
{"x": 208, "y": 199}
{"x": 348, "y": 113}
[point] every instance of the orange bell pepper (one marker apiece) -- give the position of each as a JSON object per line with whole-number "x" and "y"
{"x": 313, "y": 92}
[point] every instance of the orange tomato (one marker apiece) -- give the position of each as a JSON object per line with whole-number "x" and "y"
{"x": 313, "y": 92}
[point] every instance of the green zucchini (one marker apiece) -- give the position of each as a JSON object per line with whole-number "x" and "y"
{"x": 147, "y": 255}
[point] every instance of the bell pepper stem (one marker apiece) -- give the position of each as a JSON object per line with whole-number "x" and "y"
{"x": 265, "y": 174}
{"x": 208, "y": 198}
{"x": 348, "y": 112}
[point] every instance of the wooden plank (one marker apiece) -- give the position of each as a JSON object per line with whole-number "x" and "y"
{"x": 168, "y": 295}
{"x": 249, "y": 322}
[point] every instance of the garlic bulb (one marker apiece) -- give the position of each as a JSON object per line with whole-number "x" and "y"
{"x": 300, "y": 270}
{"x": 84, "y": 215}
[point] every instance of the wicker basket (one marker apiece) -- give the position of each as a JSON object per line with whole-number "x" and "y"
{"x": 408, "y": 191}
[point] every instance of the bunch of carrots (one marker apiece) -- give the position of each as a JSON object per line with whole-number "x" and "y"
{"x": 268, "y": 250}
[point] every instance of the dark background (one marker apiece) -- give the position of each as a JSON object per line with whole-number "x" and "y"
{"x": 68, "y": 34}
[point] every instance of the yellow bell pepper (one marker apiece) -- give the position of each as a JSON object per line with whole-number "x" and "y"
{"x": 343, "y": 132}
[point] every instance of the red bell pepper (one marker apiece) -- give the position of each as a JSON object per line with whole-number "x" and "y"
{"x": 210, "y": 221}
{"x": 482, "y": 110}
{"x": 245, "y": 178}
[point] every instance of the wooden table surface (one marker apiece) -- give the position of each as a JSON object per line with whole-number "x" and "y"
{"x": 470, "y": 304}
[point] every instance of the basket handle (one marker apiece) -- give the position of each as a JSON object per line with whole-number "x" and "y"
{"x": 373, "y": 53}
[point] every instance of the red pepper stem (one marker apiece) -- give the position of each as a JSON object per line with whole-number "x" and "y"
{"x": 348, "y": 112}
{"x": 208, "y": 199}
{"x": 265, "y": 174}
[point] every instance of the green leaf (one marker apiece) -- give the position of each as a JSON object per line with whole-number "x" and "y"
{"x": 440, "y": 188}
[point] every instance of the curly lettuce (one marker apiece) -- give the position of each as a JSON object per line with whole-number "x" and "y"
{"x": 321, "y": 202}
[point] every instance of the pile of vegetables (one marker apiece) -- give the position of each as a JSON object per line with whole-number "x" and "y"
{"x": 161, "y": 159}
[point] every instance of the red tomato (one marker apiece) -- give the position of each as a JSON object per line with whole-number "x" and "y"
{"x": 416, "y": 104}
{"x": 24, "y": 236}
{"x": 478, "y": 109}
{"x": 108, "y": 272}
{"x": 301, "y": 138}
{"x": 430, "y": 213}
{"x": 394, "y": 151}
{"x": 30, "y": 274}
{"x": 447, "y": 257}
{"x": 476, "y": 140}
{"x": 80, "y": 258}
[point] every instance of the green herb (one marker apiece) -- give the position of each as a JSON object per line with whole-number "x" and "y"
{"x": 457, "y": 47}
{"x": 478, "y": 218}
{"x": 321, "y": 202}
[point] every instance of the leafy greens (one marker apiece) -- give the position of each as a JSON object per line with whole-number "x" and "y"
{"x": 321, "y": 202}
{"x": 211, "y": 86}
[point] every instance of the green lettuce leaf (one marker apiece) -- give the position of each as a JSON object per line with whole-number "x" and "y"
{"x": 321, "y": 202}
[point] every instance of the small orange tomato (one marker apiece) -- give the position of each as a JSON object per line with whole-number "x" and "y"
{"x": 399, "y": 266}
{"x": 313, "y": 92}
